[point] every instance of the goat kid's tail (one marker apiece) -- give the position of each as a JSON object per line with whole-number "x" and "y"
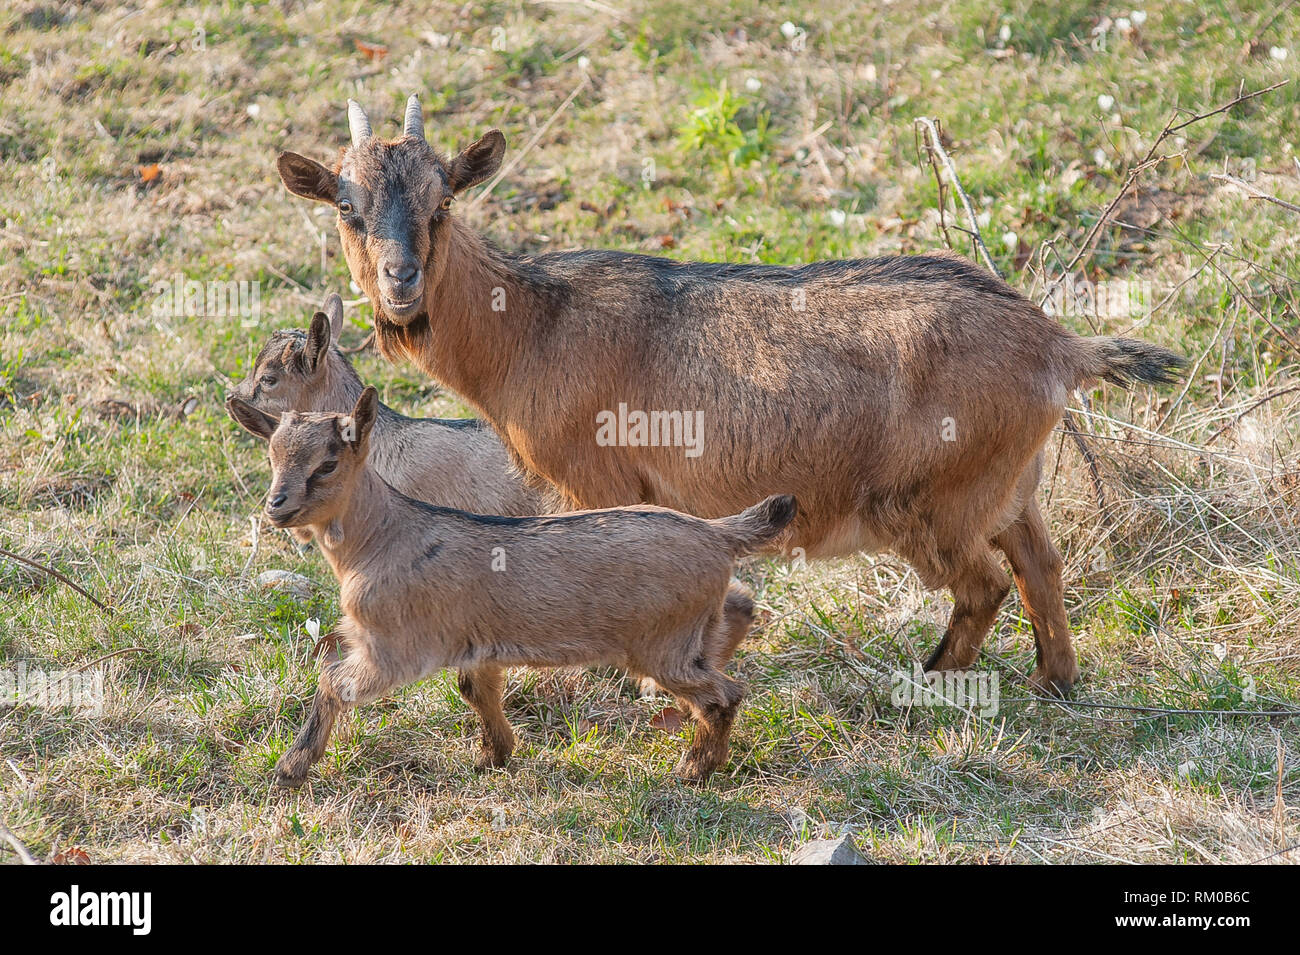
{"x": 756, "y": 527}
{"x": 1126, "y": 360}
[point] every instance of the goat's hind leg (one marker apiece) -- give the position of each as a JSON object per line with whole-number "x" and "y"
{"x": 977, "y": 592}
{"x": 481, "y": 688}
{"x": 1036, "y": 566}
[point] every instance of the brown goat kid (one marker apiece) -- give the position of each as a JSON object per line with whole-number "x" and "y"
{"x": 451, "y": 462}
{"x": 906, "y": 400}
{"x": 424, "y": 587}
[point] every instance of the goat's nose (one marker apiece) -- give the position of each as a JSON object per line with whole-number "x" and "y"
{"x": 277, "y": 502}
{"x": 402, "y": 273}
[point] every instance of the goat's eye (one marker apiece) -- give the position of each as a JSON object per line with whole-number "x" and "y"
{"x": 446, "y": 203}
{"x": 269, "y": 381}
{"x": 327, "y": 468}
{"x": 345, "y": 207}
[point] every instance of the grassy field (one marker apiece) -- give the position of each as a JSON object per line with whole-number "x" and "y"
{"x": 137, "y": 143}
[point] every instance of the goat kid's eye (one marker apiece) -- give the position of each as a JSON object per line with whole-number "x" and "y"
{"x": 446, "y": 203}
{"x": 345, "y": 207}
{"x": 269, "y": 381}
{"x": 329, "y": 467}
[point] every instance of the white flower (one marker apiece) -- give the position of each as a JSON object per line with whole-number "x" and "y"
{"x": 789, "y": 30}
{"x": 1105, "y": 102}
{"x": 313, "y": 628}
{"x": 1122, "y": 24}
{"x": 1099, "y": 157}
{"x": 1010, "y": 239}
{"x": 583, "y": 63}
{"x": 983, "y": 219}
{"x": 254, "y": 110}
{"x": 1138, "y": 17}
{"x": 1278, "y": 53}
{"x": 1004, "y": 33}
{"x": 753, "y": 84}
{"x": 838, "y": 218}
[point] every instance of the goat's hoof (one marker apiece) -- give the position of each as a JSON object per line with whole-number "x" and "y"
{"x": 288, "y": 773}
{"x": 1054, "y": 686}
{"x": 490, "y": 759}
{"x": 944, "y": 659}
{"x": 284, "y": 780}
{"x": 694, "y": 770}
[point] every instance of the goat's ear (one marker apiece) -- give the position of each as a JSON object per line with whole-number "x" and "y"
{"x": 307, "y": 178}
{"x": 318, "y": 342}
{"x": 252, "y": 420}
{"x": 478, "y": 162}
{"x": 363, "y": 417}
{"x": 334, "y": 312}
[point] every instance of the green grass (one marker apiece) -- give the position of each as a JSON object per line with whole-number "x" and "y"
{"x": 1184, "y": 594}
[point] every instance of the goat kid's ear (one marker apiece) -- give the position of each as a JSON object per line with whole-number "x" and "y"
{"x": 318, "y": 342}
{"x": 252, "y": 420}
{"x": 478, "y": 162}
{"x": 356, "y": 427}
{"x": 307, "y": 178}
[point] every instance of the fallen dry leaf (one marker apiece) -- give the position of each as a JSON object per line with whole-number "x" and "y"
{"x": 669, "y": 719}
{"x": 372, "y": 51}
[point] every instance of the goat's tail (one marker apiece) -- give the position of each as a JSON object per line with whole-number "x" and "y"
{"x": 1126, "y": 360}
{"x": 756, "y": 527}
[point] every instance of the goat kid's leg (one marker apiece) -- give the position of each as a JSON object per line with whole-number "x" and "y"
{"x": 481, "y": 688}
{"x": 1036, "y": 567}
{"x": 712, "y": 698}
{"x": 341, "y": 685}
{"x": 977, "y": 592}
{"x": 737, "y": 621}
{"x": 730, "y": 631}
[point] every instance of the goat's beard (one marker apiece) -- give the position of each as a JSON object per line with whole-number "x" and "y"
{"x": 400, "y": 341}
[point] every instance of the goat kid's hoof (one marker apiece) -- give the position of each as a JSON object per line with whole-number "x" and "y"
{"x": 287, "y": 775}
{"x": 1054, "y": 687}
{"x": 283, "y": 780}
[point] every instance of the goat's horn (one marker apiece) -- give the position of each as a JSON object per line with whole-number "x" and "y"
{"x": 414, "y": 118}
{"x": 358, "y": 123}
{"x": 334, "y": 308}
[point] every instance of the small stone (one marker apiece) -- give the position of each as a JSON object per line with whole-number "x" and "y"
{"x": 296, "y": 585}
{"x": 839, "y": 851}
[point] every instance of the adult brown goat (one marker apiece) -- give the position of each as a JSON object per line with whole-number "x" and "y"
{"x": 906, "y": 400}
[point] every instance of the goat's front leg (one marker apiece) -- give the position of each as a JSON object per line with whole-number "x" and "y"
{"x": 481, "y": 688}
{"x": 342, "y": 684}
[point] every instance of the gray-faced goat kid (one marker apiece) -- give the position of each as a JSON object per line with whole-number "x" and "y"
{"x": 451, "y": 462}
{"x": 422, "y": 588}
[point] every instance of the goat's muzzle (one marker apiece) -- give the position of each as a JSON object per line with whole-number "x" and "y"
{"x": 401, "y": 291}
{"x": 277, "y": 509}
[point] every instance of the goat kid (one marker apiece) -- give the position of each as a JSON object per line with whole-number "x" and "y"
{"x": 451, "y": 462}
{"x": 424, "y": 587}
